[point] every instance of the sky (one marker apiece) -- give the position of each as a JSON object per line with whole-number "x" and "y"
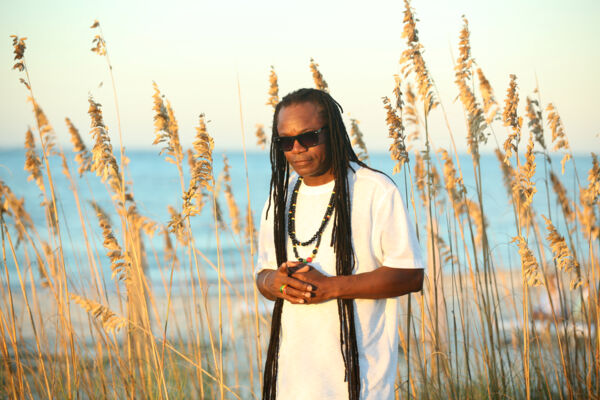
{"x": 198, "y": 51}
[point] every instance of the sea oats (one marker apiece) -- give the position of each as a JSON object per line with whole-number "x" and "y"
{"x": 453, "y": 184}
{"x": 318, "y": 77}
{"x": 82, "y": 154}
{"x": 412, "y": 60}
{"x": 170, "y": 255}
{"x": 166, "y": 128}
{"x": 398, "y": 151}
{"x": 558, "y": 134}
{"x": 202, "y": 172}
{"x": 51, "y": 261}
{"x": 15, "y": 208}
{"x": 419, "y": 172}
{"x": 534, "y": 114}
{"x": 565, "y": 260}
{"x": 411, "y": 116}
{"x": 98, "y": 42}
{"x": 261, "y": 137}
{"x": 110, "y": 321}
{"x": 46, "y": 131}
{"x": 594, "y": 180}
{"x": 563, "y": 199}
{"x": 511, "y": 119}
{"x": 357, "y": 140}
{"x": 529, "y": 264}
{"x": 475, "y": 115}
{"x": 176, "y": 226}
{"x": 490, "y": 106}
{"x": 119, "y": 262}
{"x": 33, "y": 164}
{"x": 526, "y": 173}
{"x": 19, "y": 52}
{"x": 273, "y": 89}
{"x": 104, "y": 163}
{"x": 250, "y": 229}
{"x": 589, "y": 197}
{"x": 234, "y": 212}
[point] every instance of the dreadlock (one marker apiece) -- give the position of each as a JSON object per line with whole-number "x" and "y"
{"x": 341, "y": 154}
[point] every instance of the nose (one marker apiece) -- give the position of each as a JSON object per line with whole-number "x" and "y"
{"x": 298, "y": 148}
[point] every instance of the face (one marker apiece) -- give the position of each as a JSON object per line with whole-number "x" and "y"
{"x": 311, "y": 163}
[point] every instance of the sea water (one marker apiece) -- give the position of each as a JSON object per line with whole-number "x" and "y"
{"x": 155, "y": 185}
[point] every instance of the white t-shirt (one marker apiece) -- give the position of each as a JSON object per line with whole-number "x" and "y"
{"x": 310, "y": 359}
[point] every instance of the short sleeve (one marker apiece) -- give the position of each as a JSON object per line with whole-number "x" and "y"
{"x": 399, "y": 245}
{"x": 266, "y": 243}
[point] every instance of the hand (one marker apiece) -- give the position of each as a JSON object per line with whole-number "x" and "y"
{"x": 324, "y": 287}
{"x": 296, "y": 291}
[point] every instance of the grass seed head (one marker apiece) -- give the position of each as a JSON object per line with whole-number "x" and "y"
{"x": 318, "y": 77}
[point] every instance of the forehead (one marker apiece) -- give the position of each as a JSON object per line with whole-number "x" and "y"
{"x": 300, "y": 116}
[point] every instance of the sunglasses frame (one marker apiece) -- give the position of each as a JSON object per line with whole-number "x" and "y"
{"x": 284, "y": 141}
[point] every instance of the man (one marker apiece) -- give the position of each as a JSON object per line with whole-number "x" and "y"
{"x": 335, "y": 248}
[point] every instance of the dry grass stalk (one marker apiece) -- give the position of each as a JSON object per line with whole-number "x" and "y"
{"x": 48, "y": 275}
{"x": 420, "y": 176}
{"x": 119, "y": 262}
{"x": 19, "y": 52}
{"x": 261, "y": 138}
{"x": 110, "y": 321}
{"x": 320, "y": 83}
{"x": 563, "y": 199}
{"x": 412, "y": 60}
{"x": 46, "y": 131}
{"x": 490, "y": 106}
{"x": 357, "y": 140}
{"x": 565, "y": 260}
{"x": 273, "y": 89}
{"x": 250, "y": 230}
{"x": 411, "y": 116}
{"x": 526, "y": 172}
{"x": 33, "y": 164}
{"x": 176, "y": 226}
{"x": 534, "y": 114}
{"x": 393, "y": 119}
{"x": 15, "y": 208}
{"x": 82, "y": 156}
{"x": 529, "y": 265}
{"x": 170, "y": 255}
{"x": 558, "y": 134}
{"x": 454, "y": 185}
{"x": 104, "y": 163}
{"x": 166, "y": 128}
{"x": 589, "y": 197}
{"x": 99, "y": 43}
{"x": 202, "y": 172}
{"x": 475, "y": 115}
{"x": 234, "y": 212}
{"x": 511, "y": 119}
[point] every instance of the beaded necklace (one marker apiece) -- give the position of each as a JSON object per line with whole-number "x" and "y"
{"x": 292, "y": 225}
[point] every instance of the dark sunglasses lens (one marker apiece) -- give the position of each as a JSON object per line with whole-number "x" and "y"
{"x": 308, "y": 139}
{"x": 286, "y": 143}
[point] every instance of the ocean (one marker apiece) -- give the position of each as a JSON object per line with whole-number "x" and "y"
{"x": 155, "y": 185}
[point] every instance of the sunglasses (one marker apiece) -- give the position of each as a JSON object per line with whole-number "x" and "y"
{"x": 306, "y": 140}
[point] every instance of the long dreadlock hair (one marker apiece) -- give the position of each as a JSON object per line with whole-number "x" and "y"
{"x": 340, "y": 155}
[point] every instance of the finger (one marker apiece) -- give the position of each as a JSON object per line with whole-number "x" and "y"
{"x": 285, "y": 266}
{"x": 300, "y": 285}
{"x": 287, "y": 293}
{"x": 298, "y": 269}
{"x": 293, "y": 292}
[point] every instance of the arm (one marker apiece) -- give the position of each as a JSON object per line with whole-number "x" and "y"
{"x": 380, "y": 283}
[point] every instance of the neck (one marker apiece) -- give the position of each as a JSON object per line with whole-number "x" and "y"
{"x": 318, "y": 180}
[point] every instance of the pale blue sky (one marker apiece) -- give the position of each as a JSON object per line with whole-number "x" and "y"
{"x": 194, "y": 51}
